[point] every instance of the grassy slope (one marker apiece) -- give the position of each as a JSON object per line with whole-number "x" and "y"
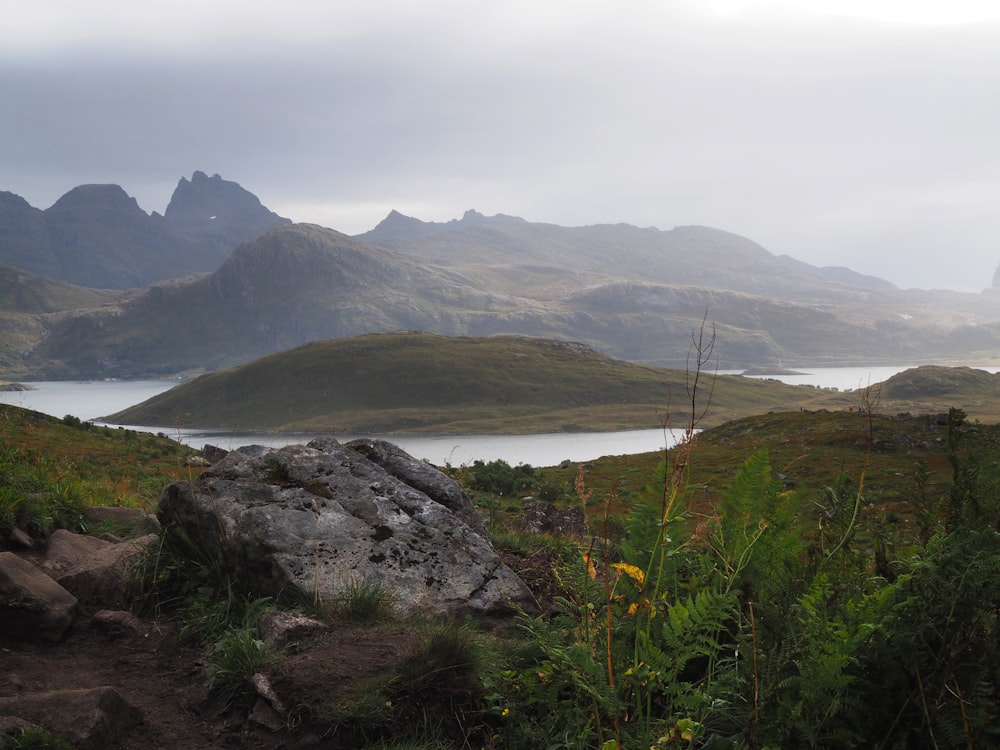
{"x": 25, "y": 301}
{"x": 809, "y": 452}
{"x": 420, "y": 383}
{"x": 98, "y": 465}
{"x": 410, "y": 382}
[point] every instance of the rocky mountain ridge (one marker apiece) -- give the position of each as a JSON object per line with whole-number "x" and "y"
{"x": 632, "y": 293}
{"x": 97, "y": 235}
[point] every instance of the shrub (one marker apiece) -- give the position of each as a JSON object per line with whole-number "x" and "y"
{"x": 237, "y": 655}
{"x": 500, "y": 478}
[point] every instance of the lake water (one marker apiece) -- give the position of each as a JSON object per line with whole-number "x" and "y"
{"x": 91, "y": 400}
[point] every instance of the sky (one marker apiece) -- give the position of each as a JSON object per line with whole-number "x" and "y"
{"x": 859, "y": 133}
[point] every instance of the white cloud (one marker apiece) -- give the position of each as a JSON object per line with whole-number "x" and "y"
{"x": 866, "y": 138}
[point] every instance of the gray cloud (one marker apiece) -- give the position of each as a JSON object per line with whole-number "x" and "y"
{"x": 838, "y": 142}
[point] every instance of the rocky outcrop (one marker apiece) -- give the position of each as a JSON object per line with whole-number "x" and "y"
{"x": 32, "y": 605}
{"x": 310, "y": 521}
{"x": 98, "y": 236}
{"x": 95, "y": 570}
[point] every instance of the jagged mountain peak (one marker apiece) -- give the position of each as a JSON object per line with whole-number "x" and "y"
{"x": 204, "y": 199}
{"x": 96, "y": 235}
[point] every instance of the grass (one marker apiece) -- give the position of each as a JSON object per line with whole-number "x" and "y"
{"x": 52, "y": 469}
{"x": 453, "y": 683}
{"x": 808, "y": 451}
{"x": 362, "y": 601}
{"x": 420, "y": 383}
{"x": 34, "y": 738}
{"x": 119, "y": 465}
{"x": 444, "y": 384}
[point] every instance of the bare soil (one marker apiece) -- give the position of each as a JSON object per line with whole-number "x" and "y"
{"x": 165, "y": 678}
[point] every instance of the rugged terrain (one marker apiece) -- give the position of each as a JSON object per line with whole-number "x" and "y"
{"x": 629, "y": 292}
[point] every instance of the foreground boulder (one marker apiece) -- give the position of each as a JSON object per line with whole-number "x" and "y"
{"x": 94, "y": 570}
{"x": 311, "y": 521}
{"x": 32, "y": 605}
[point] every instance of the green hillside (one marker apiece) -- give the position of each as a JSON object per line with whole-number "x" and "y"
{"x": 415, "y": 382}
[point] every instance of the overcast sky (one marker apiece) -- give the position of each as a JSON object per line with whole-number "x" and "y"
{"x": 863, "y": 133}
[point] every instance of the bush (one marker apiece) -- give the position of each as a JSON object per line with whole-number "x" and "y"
{"x": 500, "y": 478}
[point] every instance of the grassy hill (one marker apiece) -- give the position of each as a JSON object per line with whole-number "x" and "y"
{"x": 414, "y": 382}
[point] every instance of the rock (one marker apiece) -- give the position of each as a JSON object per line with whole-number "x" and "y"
{"x": 278, "y": 628}
{"x": 262, "y": 686}
{"x": 89, "y": 718}
{"x": 213, "y": 453}
{"x": 20, "y": 538}
{"x": 116, "y": 623}
{"x": 263, "y": 715}
{"x": 302, "y": 521}
{"x": 422, "y": 476}
{"x": 32, "y": 605}
{"x": 541, "y": 517}
{"x": 94, "y": 570}
{"x": 197, "y": 461}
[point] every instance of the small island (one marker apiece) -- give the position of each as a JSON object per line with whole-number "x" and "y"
{"x": 15, "y": 387}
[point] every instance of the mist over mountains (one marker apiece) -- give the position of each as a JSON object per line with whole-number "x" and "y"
{"x": 219, "y": 280}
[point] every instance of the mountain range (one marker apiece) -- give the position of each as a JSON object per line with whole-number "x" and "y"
{"x": 94, "y": 287}
{"x": 98, "y": 236}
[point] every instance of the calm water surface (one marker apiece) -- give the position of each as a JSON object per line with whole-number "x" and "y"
{"x": 91, "y": 400}
{"x": 94, "y": 399}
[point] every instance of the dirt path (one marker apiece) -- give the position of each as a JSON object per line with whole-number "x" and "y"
{"x": 155, "y": 674}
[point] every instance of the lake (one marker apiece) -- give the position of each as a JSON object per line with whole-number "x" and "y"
{"x": 90, "y": 400}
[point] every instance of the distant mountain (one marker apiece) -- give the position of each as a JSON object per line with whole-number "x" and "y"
{"x": 689, "y": 255}
{"x": 838, "y": 274}
{"x": 30, "y": 304}
{"x": 300, "y": 283}
{"x": 98, "y": 236}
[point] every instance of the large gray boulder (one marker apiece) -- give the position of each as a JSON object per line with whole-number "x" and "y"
{"x": 32, "y": 605}
{"x": 310, "y": 521}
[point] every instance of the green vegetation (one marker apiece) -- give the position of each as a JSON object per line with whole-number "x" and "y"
{"x": 796, "y": 579}
{"x": 34, "y": 738}
{"x": 445, "y": 384}
{"x": 504, "y": 384}
{"x": 51, "y": 470}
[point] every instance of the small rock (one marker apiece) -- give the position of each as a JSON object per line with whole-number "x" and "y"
{"x": 281, "y": 628}
{"x": 264, "y": 689}
{"x": 117, "y": 623}
{"x": 20, "y": 538}
{"x": 263, "y": 715}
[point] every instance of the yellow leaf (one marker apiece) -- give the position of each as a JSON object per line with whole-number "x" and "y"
{"x": 591, "y": 570}
{"x": 632, "y": 609}
{"x": 636, "y": 574}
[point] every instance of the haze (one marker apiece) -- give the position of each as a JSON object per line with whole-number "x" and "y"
{"x": 841, "y": 133}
